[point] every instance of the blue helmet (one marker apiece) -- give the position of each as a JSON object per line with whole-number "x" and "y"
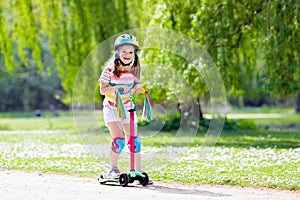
{"x": 126, "y": 39}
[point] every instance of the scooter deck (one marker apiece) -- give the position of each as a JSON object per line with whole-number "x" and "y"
{"x": 124, "y": 179}
{"x": 105, "y": 180}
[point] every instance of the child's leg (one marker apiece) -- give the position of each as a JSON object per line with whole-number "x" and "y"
{"x": 137, "y": 155}
{"x": 118, "y": 142}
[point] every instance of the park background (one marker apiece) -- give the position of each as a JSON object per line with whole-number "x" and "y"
{"x": 255, "y": 45}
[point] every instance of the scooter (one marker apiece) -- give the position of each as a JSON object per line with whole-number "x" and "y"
{"x": 133, "y": 175}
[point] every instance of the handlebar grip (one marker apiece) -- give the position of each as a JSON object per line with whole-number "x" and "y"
{"x": 144, "y": 91}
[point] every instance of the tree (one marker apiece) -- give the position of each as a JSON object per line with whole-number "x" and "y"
{"x": 72, "y": 28}
{"x": 282, "y": 56}
{"x": 248, "y": 40}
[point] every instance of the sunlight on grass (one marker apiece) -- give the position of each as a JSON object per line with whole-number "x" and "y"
{"x": 63, "y": 152}
{"x": 246, "y": 157}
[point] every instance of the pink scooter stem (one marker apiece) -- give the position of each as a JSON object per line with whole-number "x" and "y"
{"x": 131, "y": 111}
{"x": 132, "y": 140}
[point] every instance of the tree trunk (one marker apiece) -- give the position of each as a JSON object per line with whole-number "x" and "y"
{"x": 200, "y": 110}
{"x": 297, "y": 108}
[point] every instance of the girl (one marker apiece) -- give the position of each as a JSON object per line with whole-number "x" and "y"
{"x": 119, "y": 78}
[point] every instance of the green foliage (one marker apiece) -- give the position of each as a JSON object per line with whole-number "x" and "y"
{"x": 71, "y": 28}
{"x": 169, "y": 122}
{"x": 229, "y": 124}
{"x": 245, "y": 39}
{"x": 172, "y": 122}
{"x": 30, "y": 90}
{"x": 254, "y": 44}
{"x": 281, "y": 70}
{"x": 238, "y": 124}
{"x": 5, "y": 43}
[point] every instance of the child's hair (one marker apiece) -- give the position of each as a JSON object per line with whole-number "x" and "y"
{"x": 136, "y": 68}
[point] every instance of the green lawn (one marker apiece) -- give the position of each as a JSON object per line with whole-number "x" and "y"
{"x": 263, "y": 109}
{"x": 250, "y": 157}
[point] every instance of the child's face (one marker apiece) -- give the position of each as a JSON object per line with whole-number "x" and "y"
{"x": 126, "y": 53}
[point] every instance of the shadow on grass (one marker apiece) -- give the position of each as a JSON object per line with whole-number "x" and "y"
{"x": 283, "y": 139}
{"x": 256, "y": 138}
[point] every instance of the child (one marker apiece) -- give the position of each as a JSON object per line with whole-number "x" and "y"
{"x": 119, "y": 78}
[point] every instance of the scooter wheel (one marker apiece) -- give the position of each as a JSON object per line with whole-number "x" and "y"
{"x": 144, "y": 180}
{"x": 123, "y": 179}
{"x": 101, "y": 180}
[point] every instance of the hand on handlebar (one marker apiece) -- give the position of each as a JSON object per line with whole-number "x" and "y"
{"x": 141, "y": 90}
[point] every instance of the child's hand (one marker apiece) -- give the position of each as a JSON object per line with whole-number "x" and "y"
{"x": 141, "y": 90}
{"x": 126, "y": 89}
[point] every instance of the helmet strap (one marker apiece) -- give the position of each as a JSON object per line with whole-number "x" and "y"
{"x": 119, "y": 59}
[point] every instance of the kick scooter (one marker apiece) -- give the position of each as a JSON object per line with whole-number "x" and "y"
{"x": 133, "y": 175}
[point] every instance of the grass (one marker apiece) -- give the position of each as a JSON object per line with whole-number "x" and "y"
{"x": 260, "y": 138}
{"x": 28, "y": 121}
{"x": 238, "y": 166}
{"x": 287, "y": 119}
{"x": 263, "y": 109}
{"x": 260, "y": 157}
{"x": 58, "y": 123}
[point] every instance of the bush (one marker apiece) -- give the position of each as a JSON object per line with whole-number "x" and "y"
{"x": 173, "y": 121}
{"x": 169, "y": 123}
{"x": 234, "y": 124}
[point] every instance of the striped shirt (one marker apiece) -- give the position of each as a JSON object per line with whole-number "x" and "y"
{"x": 126, "y": 79}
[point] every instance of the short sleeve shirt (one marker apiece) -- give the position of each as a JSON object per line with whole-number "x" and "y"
{"x": 126, "y": 79}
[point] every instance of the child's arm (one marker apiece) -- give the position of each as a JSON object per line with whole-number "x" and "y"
{"x": 110, "y": 89}
{"x": 107, "y": 89}
{"x": 138, "y": 87}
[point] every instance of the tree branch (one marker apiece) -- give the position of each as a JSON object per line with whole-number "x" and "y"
{"x": 245, "y": 23}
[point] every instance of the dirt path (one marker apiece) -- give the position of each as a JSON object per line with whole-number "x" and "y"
{"x": 34, "y": 186}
